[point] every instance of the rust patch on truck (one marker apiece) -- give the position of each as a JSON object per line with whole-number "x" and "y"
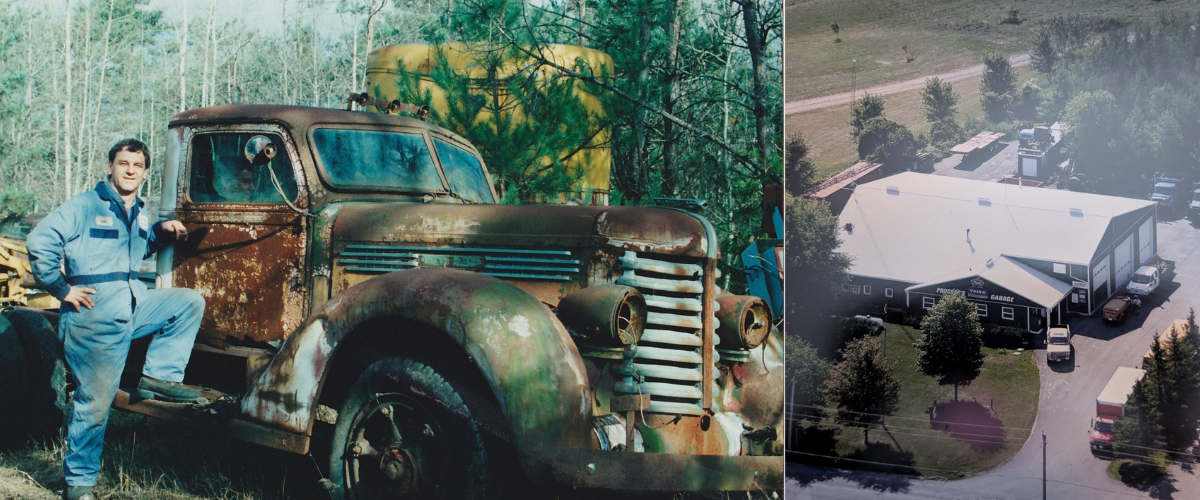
{"x": 251, "y": 275}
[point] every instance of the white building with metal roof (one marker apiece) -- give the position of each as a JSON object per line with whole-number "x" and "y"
{"x": 1024, "y": 255}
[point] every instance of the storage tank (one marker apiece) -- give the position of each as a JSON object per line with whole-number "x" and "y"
{"x": 384, "y": 67}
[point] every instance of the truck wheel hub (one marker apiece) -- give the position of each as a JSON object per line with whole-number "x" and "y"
{"x": 396, "y": 467}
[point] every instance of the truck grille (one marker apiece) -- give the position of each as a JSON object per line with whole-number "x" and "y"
{"x": 667, "y": 362}
{"x": 507, "y": 263}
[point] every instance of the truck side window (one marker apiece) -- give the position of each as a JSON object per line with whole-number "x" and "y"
{"x": 464, "y": 173}
{"x": 220, "y": 172}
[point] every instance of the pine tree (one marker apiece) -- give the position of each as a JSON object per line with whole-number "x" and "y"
{"x": 1138, "y": 428}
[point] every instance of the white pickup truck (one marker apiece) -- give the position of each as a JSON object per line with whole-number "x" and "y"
{"x": 1058, "y": 343}
{"x": 1148, "y": 278}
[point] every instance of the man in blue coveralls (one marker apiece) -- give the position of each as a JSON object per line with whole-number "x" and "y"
{"x": 87, "y": 254}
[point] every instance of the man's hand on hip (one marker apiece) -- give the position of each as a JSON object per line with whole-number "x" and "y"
{"x": 80, "y": 296}
{"x": 176, "y": 228}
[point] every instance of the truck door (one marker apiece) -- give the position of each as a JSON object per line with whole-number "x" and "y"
{"x": 245, "y": 249}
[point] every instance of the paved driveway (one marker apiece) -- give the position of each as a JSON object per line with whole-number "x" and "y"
{"x": 1067, "y": 405}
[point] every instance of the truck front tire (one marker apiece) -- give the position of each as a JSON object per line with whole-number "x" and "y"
{"x": 404, "y": 432}
{"x": 46, "y": 403}
{"x": 12, "y": 386}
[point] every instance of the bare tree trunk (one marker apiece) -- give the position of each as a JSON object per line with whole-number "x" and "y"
{"x": 729, "y": 256}
{"x": 670, "y": 165}
{"x": 583, "y": 11}
{"x": 354, "y": 62}
{"x": 285, "y": 59}
{"x": 205, "y": 98}
{"x": 372, "y": 11}
{"x": 183, "y": 62}
{"x": 95, "y": 114}
{"x": 85, "y": 97}
{"x": 754, "y": 43}
{"x": 68, "y": 167}
{"x": 639, "y": 177}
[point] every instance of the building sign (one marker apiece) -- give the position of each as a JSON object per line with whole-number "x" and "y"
{"x": 1079, "y": 284}
{"x": 983, "y": 296}
{"x": 976, "y": 290}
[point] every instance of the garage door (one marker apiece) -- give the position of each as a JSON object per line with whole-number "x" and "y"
{"x": 1146, "y": 241}
{"x": 1100, "y": 279}
{"x": 1123, "y": 260}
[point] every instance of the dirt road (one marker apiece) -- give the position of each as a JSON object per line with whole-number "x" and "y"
{"x": 843, "y": 98}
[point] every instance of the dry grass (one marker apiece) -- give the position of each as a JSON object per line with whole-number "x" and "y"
{"x": 149, "y": 459}
{"x": 827, "y": 131}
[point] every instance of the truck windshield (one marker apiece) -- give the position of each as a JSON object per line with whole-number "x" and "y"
{"x": 1103, "y": 426}
{"x": 373, "y": 160}
{"x": 1196, "y": 195}
{"x": 464, "y": 173}
{"x": 1056, "y": 340}
{"x": 1141, "y": 278}
{"x": 1163, "y": 189}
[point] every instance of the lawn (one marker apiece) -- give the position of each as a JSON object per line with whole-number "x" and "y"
{"x": 982, "y": 440}
{"x": 827, "y": 131}
{"x": 941, "y": 35}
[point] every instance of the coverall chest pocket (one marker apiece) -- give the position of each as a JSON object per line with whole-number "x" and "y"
{"x": 103, "y": 248}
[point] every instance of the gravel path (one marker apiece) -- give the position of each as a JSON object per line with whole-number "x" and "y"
{"x": 843, "y": 98}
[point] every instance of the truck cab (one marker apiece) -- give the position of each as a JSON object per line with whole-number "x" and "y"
{"x": 1144, "y": 281}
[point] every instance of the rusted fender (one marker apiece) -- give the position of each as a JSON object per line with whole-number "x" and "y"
{"x": 528, "y": 358}
{"x": 755, "y": 387}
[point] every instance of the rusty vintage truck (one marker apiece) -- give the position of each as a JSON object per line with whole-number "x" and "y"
{"x": 360, "y": 269}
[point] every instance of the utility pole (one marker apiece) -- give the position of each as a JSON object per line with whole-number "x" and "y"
{"x": 853, "y": 77}
{"x": 1043, "y": 465}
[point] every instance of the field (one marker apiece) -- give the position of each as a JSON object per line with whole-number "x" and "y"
{"x": 827, "y": 130}
{"x": 968, "y": 438}
{"x": 941, "y": 35}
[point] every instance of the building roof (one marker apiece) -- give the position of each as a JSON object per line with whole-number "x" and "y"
{"x": 842, "y": 179}
{"x": 918, "y": 227}
{"x": 1019, "y": 278}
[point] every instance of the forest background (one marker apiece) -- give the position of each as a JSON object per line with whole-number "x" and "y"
{"x": 694, "y": 107}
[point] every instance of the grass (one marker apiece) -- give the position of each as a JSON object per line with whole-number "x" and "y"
{"x": 149, "y": 459}
{"x": 941, "y": 35}
{"x": 919, "y": 447}
{"x": 827, "y": 130}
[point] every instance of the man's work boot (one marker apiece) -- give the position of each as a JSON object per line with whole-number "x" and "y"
{"x": 78, "y": 493}
{"x": 172, "y": 392}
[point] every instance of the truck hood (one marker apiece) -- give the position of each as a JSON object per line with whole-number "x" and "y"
{"x": 1058, "y": 349}
{"x": 642, "y": 229}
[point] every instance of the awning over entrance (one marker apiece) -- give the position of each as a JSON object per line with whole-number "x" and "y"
{"x": 1029, "y": 283}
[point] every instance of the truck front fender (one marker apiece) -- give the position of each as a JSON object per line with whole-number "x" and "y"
{"x": 516, "y": 342}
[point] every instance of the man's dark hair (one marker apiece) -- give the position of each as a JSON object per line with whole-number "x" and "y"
{"x": 133, "y": 146}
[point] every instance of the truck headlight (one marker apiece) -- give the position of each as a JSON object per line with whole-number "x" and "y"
{"x": 610, "y": 315}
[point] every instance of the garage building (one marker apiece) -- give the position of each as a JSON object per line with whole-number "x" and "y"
{"x": 1025, "y": 256}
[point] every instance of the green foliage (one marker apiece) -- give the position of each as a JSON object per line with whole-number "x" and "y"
{"x": 886, "y": 141}
{"x": 1172, "y": 385}
{"x": 998, "y": 86}
{"x": 1092, "y": 119}
{"x": 1138, "y": 428}
{"x": 862, "y": 111}
{"x": 806, "y": 373}
{"x": 941, "y": 101}
{"x": 800, "y": 172}
{"x": 1026, "y": 101}
{"x": 15, "y": 203}
{"x": 862, "y": 383}
{"x": 815, "y": 269}
{"x": 1044, "y": 57}
{"x": 951, "y": 350}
